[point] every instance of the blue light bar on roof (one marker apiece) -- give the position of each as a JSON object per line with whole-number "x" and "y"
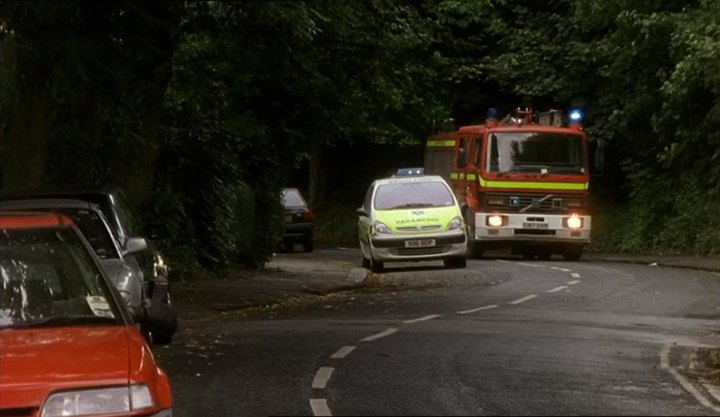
{"x": 404, "y": 172}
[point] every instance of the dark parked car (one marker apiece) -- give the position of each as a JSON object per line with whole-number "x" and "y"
{"x": 127, "y": 229}
{"x": 298, "y": 223}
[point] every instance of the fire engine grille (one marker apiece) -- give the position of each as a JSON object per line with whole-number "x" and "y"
{"x": 535, "y": 203}
{"x": 419, "y": 228}
{"x": 434, "y": 250}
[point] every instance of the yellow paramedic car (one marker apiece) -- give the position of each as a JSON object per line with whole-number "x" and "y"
{"x": 411, "y": 217}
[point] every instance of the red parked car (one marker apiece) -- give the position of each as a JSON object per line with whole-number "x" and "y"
{"x": 68, "y": 344}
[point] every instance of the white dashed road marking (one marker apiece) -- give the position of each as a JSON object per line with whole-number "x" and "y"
{"x": 387, "y": 332}
{"x": 474, "y": 310}
{"x": 426, "y": 318}
{"x": 522, "y": 300}
{"x": 319, "y": 407}
{"x": 322, "y": 376}
{"x": 343, "y": 352}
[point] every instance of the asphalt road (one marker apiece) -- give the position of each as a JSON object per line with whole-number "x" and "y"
{"x": 501, "y": 337}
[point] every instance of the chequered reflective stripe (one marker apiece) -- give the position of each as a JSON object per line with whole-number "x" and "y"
{"x": 526, "y": 184}
{"x": 441, "y": 143}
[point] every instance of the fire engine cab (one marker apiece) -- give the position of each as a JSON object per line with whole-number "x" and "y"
{"x": 523, "y": 181}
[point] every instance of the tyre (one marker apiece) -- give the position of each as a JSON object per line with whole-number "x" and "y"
{"x": 544, "y": 255}
{"x": 475, "y": 250}
{"x": 308, "y": 245}
{"x": 365, "y": 263}
{"x": 161, "y": 339}
{"x": 376, "y": 266}
{"x": 573, "y": 253}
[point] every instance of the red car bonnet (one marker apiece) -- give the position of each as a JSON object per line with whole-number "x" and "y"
{"x": 34, "y": 362}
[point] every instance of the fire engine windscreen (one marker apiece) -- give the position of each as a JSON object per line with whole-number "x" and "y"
{"x": 536, "y": 152}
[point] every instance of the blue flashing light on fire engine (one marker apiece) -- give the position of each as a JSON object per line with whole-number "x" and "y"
{"x": 575, "y": 115}
{"x": 492, "y": 113}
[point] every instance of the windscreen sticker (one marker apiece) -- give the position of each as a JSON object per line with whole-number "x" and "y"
{"x": 99, "y": 306}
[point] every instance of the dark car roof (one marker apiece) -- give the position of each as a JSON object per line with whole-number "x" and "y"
{"x": 46, "y": 203}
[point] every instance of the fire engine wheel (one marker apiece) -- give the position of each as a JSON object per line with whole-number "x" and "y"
{"x": 573, "y": 253}
{"x": 475, "y": 250}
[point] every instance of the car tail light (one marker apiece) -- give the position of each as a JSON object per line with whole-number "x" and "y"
{"x": 308, "y": 215}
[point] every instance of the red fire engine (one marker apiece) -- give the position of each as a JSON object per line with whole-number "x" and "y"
{"x": 523, "y": 182}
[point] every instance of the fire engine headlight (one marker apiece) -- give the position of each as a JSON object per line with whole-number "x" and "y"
{"x": 455, "y": 223}
{"x": 381, "y": 228}
{"x": 111, "y": 400}
{"x": 496, "y": 220}
{"x": 573, "y": 222}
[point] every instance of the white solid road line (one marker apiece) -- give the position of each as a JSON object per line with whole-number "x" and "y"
{"x": 522, "y": 300}
{"x": 474, "y": 310}
{"x": 387, "y": 332}
{"x": 665, "y": 364}
{"x": 560, "y": 269}
{"x": 320, "y": 407}
{"x": 426, "y": 318}
{"x": 343, "y": 352}
{"x": 322, "y": 376}
{"x": 556, "y": 289}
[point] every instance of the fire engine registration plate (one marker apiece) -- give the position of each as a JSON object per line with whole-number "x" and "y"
{"x": 419, "y": 243}
{"x": 535, "y": 225}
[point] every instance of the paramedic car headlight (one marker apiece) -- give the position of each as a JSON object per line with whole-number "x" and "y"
{"x": 455, "y": 223}
{"x": 114, "y": 400}
{"x": 381, "y": 228}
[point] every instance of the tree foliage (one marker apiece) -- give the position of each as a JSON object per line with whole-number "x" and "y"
{"x": 203, "y": 111}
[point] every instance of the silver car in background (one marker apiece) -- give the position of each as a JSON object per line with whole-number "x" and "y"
{"x": 122, "y": 269}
